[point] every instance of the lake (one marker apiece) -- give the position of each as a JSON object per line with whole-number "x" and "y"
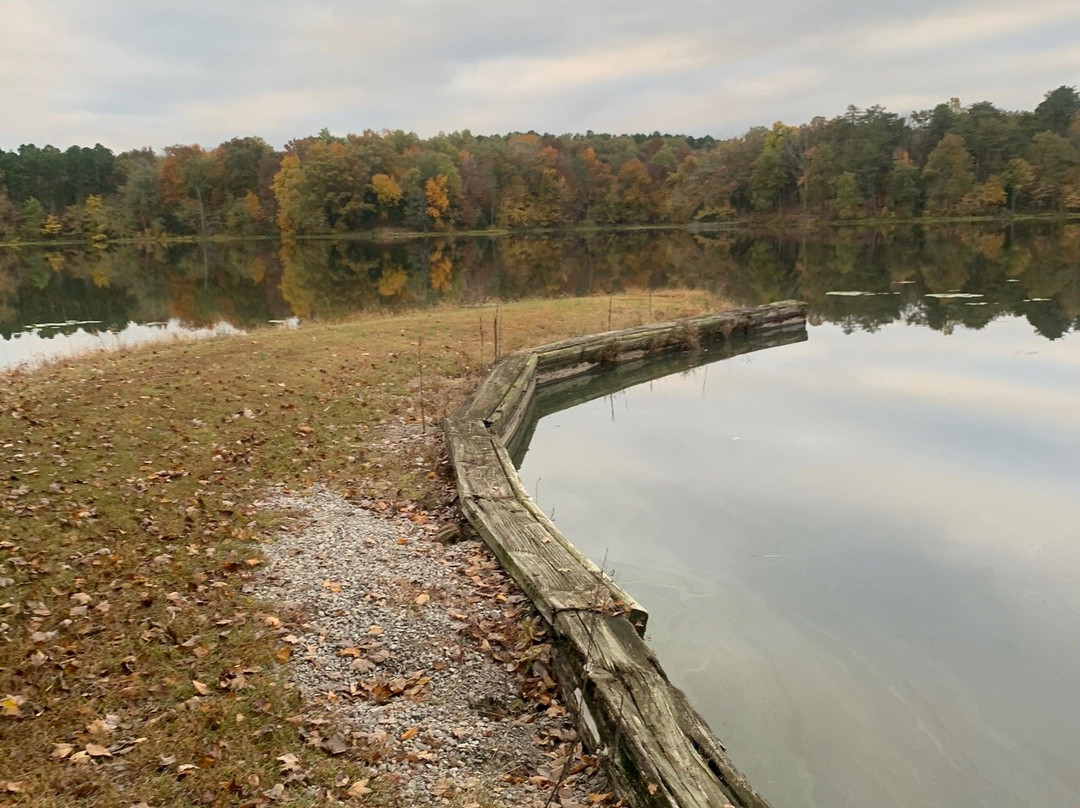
{"x": 860, "y": 553}
{"x": 56, "y": 301}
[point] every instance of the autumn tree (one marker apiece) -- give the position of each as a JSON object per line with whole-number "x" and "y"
{"x": 948, "y": 175}
{"x": 187, "y": 177}
{"x": 1051, "y": 157}
{"x": 774, "y": 171}
{"x": 1016, "y": 179}
{"x": 817, "y": 185}
{"x": 139, "y": 194}
{"x": 387, "y": 194}
{"x": 437, "y": 199}
{"x": 636, "y": 192}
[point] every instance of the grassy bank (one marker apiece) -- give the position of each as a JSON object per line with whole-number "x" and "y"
{"x": 133, "y": 666}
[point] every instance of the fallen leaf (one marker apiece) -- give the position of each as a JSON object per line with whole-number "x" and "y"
{"x": 97, "y": 750}
{"x": 284, "y": 653}
{"x": 375, "y": 630}
{"x": 409, "y": 733}
{"x": 200, "y": 688}
{"x": 358, "y": 789}
{"x": 333, "y": 586}
{"x": 422, "y": 599}
{"x": 335, "y": 746}
{"x": 9, "y": 706}
{"x": 275, "y": 793}
{"x": 15, "y": 786}
{"x": 289, "y": 762}
{"x": 62, "y": 750}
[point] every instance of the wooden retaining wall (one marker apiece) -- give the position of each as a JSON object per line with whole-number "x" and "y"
{"x": 659, "y": 751}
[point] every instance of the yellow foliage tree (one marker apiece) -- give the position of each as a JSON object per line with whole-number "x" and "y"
{"x": 387, "y": 193}
{"x": 52, "y": 226}
{"x": 287, "y": 189}
{"x": 438, "y": 199}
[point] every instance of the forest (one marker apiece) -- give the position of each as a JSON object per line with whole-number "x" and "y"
{"x": 949, "y": 161}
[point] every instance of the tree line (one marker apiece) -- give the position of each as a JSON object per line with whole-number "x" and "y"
{"x": 947, "y": 161}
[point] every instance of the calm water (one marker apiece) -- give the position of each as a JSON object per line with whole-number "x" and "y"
{"x": 58, "y": 300}
{"x": 861, "y": 555}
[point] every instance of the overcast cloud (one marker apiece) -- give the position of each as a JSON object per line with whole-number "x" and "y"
{"x": 131, "y": 73}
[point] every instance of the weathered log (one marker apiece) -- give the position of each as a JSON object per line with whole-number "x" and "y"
{"x": 494, "y": 388}
{"x": 551, "y": 571}
{"x": 659, "y": 751}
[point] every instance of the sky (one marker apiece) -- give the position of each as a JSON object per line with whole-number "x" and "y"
{"x": 136, "y": 73}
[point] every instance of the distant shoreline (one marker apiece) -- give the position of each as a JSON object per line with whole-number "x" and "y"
{"x": 391, "y": 235}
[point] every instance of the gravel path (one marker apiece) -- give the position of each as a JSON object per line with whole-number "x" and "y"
{"x": 428, "y": 654}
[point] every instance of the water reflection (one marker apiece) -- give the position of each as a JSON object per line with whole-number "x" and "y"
{"x": 860, "y": 555}
{"x": 914, "y": 276}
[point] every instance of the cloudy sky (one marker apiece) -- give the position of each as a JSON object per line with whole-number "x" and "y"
{"x": 131, "y": 73}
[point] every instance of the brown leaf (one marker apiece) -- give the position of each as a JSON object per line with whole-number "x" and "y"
{"x": 15, "y": 786}
{"x": 362, "y": 666}
{"x": 375, "y": 630}
{"x": 335, "y": 746}
{"x": 62, "y": 750}
{"x": 409, "y": 733}
{"x": 289, "y": 762}
{"x": 358, "y": 789}
{"x": 333, "y": 586}
{"x": 9, "y": 706}
{"x": 97, "y": 750}
{"x": 284, "y": 653}
{"x": 275, "y": 793}
{"x": 200, "y": 688}
{"x": 422, "y": 599}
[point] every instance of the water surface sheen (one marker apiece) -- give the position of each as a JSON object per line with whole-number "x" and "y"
{"x": 54, "y": 300}
{"x": 861, "y": 556}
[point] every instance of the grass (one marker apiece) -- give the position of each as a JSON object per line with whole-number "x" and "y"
{"x": 133, "y": 666}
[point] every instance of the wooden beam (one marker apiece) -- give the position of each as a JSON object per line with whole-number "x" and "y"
{"x": 659, "y": 751}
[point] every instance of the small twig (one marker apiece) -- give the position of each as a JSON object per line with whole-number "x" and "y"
{"x": 481, "y": 340}
{"x": 570, "y": 755}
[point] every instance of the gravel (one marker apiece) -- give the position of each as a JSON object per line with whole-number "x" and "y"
{"x": 390, "y": 636}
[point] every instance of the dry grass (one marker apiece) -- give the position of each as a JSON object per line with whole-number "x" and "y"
{"x": 130, "y": 522}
